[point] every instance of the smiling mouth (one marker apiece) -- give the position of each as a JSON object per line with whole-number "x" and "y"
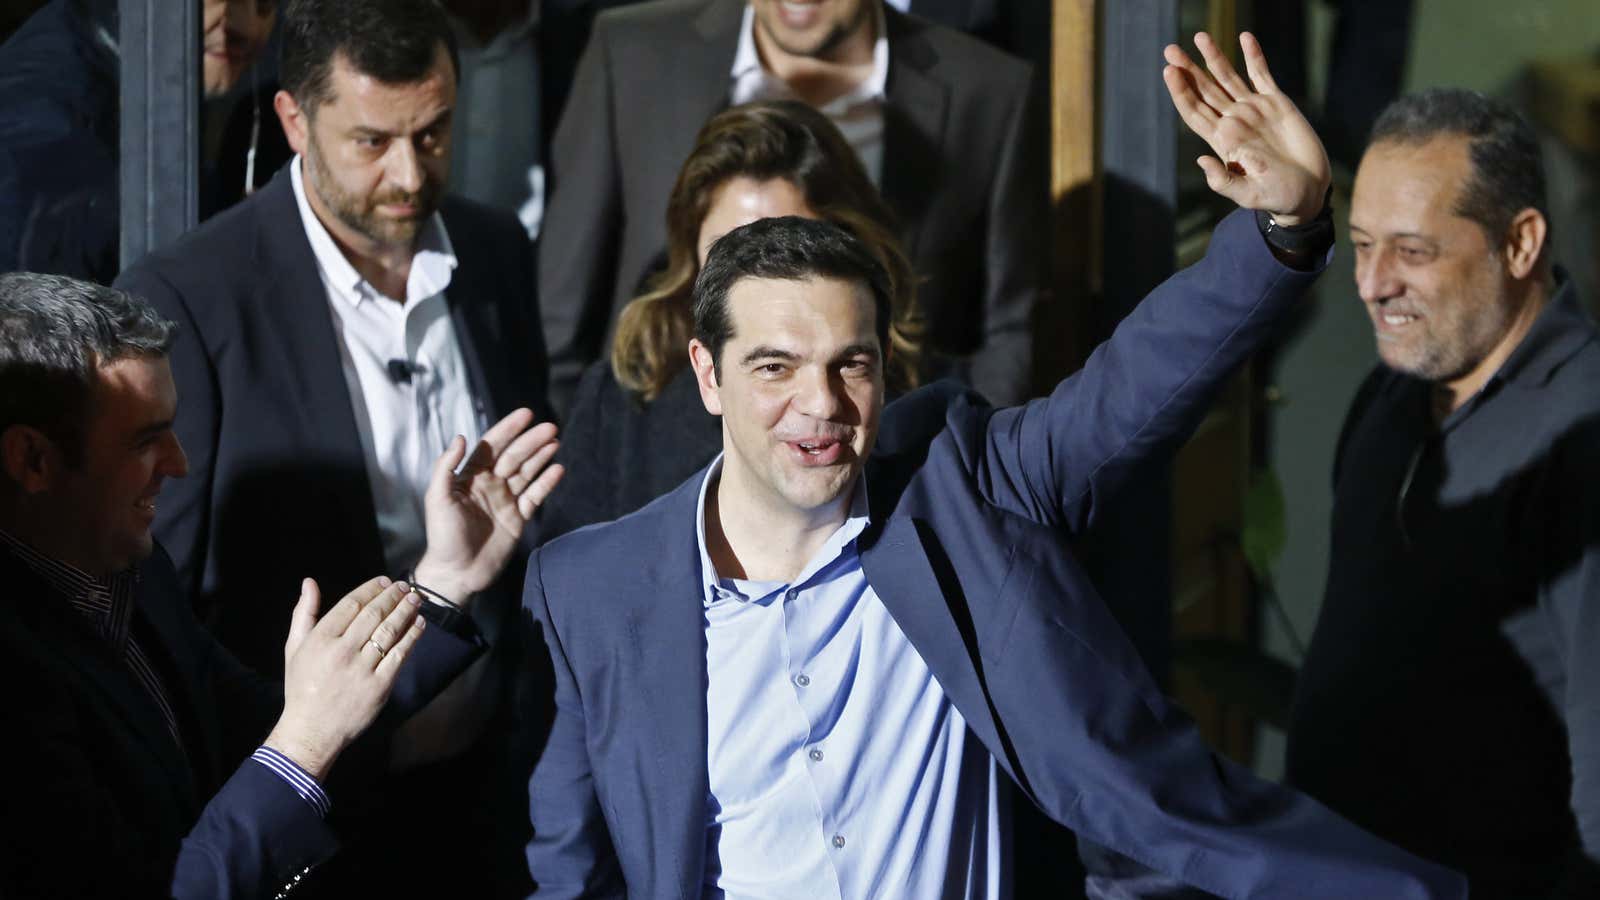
{"x": 818, "y": 451}
{"x": 797, "y": 14}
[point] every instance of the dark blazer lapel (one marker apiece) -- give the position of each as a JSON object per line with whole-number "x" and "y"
{"x": 291, "y": 306}
{"x": 899, "y": 568}
{"x": 914, "y": 123}
{"x": 71, "y": 639}
{"x": 477, "y": 323}
{"x": 156, "y": 601}
{"x": 666, "y": 635}
{"x": 699, "y": 89}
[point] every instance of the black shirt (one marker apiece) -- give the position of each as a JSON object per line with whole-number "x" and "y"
{"x": 1454, "y": 675}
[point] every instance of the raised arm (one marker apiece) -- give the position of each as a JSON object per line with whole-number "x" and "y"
{"x": 1146, "y": 388}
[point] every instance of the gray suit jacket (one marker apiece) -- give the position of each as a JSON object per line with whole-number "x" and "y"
{"x": 963, "y": 170}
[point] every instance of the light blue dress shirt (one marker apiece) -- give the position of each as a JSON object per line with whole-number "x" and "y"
{"x": 838, "y": 767}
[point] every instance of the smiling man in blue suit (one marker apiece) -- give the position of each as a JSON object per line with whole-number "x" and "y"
{"x": 821, "y": 667}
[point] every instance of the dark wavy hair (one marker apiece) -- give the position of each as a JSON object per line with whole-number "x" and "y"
{"x": 763, "y": 141}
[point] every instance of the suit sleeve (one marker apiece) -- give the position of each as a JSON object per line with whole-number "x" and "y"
{"x": 68, "y": 833}
{"x": 1142, "y": 392}
{"x": 581, "y": 232}
{"x": 1123, "y": 768}
{"x": 570, "y": 854}
{"x": 183, "y": 520}
{"x": 1014, "y": 257}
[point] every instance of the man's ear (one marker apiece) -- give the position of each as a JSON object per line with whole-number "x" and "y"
{"x": 1525, "y": 242}
{"x": 294, "y": 119}
{"x": 30, "y": 458}
{"x": 705, "y": 376}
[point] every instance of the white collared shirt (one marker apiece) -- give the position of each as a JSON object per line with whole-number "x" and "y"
{"x": 403, "y": 426}
{"x": 837, "y": 765}
{"x": 858, "y": 114}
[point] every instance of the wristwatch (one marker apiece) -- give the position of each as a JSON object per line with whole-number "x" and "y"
{"x": 1308, "y": 240}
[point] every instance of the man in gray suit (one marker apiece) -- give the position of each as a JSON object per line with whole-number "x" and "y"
{"x": 943, "y": 122}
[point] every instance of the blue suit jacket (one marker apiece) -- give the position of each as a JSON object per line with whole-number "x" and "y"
{"x": 969, "y": 508}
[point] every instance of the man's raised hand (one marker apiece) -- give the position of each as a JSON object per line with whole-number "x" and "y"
{"x": 1267, "y": 155}
{"x": 475, "y": 516}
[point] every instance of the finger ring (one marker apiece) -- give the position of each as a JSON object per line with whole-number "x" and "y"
{"x": 378, "y": 647}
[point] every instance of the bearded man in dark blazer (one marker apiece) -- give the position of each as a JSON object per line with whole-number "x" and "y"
{"x": 944, "y": 123}
{"x": 338, "y": 330}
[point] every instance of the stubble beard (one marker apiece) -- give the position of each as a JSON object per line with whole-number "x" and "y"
{"x": 1455, "y": 341}
{"x": 361, "y": 216}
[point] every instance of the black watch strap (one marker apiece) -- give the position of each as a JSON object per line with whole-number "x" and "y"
{"x": 1308, "y": 240}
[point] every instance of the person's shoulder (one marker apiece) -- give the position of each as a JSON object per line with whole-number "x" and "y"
{"x": 914, "y": 419}
{"x": 208, "y": 257}
{"x": 593, "y": 551}
{"x": 600, "y": 394}
{"x": 60, "y": 91}
{"x": 932, "y": 46}
{"x": 1583, "y": 366}
{"x": 52, "y": 55}
{"x": 652, "y": 19}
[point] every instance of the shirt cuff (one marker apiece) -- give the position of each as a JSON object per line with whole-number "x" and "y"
{"x": 295, "y": 777}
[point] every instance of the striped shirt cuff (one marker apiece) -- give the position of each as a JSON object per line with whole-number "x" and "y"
{"x": 296, "y": 777}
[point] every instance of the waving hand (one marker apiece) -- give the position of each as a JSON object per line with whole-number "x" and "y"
{"x": 1267, "y": 156}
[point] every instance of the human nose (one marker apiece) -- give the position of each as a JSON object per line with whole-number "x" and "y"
{"x": 1376, "y": 280}
{"x": 403, "y": 166}
{"x": 818, "y": 393}
{"x": 176, "y": 462}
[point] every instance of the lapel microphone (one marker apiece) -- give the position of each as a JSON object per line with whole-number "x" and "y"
{"x": 401, "y": 370}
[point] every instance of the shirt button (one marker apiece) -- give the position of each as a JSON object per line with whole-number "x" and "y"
{"x": 816, "y": 755}
{"x": 803, "y": 680}
{"x": 838, "y": 841}
{"x": 791, "y": 594}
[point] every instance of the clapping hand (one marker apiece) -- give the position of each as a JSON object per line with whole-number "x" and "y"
{"x": 1267, "y": 155}
{"x": 475, "y": 516}
{"x": 338, "y": 670}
